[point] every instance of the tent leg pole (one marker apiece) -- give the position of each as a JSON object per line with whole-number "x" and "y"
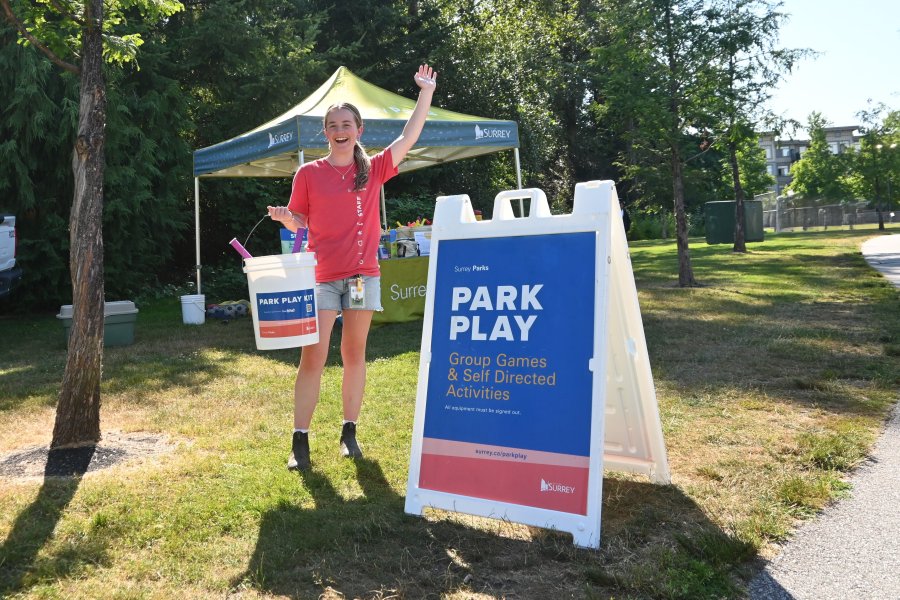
{"x": 197, "y": 228}
{"x": 519, "y": 180}
{"x": 518, "y": 168}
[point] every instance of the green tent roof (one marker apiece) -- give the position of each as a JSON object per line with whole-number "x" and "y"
{"x": 273, "y": 149}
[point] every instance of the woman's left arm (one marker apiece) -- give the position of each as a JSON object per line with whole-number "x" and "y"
{"x": 425, "y": 79}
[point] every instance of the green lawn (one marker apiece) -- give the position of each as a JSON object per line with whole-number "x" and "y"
{"x": 773, "y": 380}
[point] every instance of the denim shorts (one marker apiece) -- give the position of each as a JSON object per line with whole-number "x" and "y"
{"x": 335, "y": 295}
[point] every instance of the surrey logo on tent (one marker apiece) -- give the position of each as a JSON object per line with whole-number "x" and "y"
{"x": 280, "y": 138}
{"x": 493, "y": 132}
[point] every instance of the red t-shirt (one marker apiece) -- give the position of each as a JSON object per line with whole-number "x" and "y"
{"x": 344, "y": 226}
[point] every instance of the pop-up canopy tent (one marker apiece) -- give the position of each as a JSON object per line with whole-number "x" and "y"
{"x": 278, "y": 147}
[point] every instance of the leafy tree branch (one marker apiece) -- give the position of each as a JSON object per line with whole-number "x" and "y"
{"x": 20, "y": 26}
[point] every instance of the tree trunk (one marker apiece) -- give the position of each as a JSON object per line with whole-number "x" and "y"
{"x": 685, "y": 271}
{"x": 740, "y": 239}
{"x": 78, "y": 411}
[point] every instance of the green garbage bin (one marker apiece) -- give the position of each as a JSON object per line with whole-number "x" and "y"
{"x": 720, "y": 221}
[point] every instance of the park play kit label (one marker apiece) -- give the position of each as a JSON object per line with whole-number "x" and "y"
{"x": 286, "y": 314}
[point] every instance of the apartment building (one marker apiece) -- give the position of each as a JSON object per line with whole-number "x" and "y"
{"x": 781, "y": 154}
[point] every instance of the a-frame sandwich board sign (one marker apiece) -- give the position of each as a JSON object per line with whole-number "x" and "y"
{"x": 534, "y": 369}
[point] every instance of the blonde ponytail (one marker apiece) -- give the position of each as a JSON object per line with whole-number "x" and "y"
{"x": 363, "y": 164}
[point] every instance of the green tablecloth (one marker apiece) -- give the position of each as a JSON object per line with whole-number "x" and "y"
{"x": 403, "y": 284}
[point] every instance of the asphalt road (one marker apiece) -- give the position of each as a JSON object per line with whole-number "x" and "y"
{"x": 852, "y": 550}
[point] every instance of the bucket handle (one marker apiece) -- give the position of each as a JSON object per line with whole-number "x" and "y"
{"x": 241, "y": 248}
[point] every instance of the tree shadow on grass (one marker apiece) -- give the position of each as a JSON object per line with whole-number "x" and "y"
{"x": 362, "y": 547}
{"x": 165, "y": 354}
{"x": 141, "y": 369}
{"x": 656, "y": 540}
{"x": 340, "y": 543}
{"x": 34, "y": 526}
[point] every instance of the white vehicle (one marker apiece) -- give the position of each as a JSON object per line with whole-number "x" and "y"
{"x": 9, "y": 273}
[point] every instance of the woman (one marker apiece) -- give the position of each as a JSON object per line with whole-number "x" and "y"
{"x": 337, "y": 199}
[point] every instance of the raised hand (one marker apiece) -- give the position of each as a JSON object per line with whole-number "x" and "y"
{"x": 426, "y": 78}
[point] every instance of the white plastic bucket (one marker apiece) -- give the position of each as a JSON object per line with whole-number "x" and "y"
{"x": 283, "y": 300}
{"x": 193, "y": 309}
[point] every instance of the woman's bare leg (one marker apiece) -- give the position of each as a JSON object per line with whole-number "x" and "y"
{"x": 353, "y": 352}
{"x": 309, "y": 373}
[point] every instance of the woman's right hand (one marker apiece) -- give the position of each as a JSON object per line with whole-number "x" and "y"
{"x": 425, "y": 78}
{"x": 280, "y": 213}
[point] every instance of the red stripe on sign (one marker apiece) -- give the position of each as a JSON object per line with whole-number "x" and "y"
{"x": 278, "y": 329}
{"x": 485, "y": 451}
{"x": 551, "y": 487}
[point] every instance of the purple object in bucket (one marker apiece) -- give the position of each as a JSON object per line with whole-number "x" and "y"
{"x": 240, "y": 248}
{"x": 298, "y": 241}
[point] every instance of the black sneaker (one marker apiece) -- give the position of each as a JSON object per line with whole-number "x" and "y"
{"x": 299, "y": 458}
{"x": 349, "y": 447}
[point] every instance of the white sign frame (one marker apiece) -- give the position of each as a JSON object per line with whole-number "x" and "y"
{"x": 625, "y": 419}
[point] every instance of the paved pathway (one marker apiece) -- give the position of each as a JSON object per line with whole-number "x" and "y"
{"x": 883, "y": 253}
{"x": 851, "y": 551}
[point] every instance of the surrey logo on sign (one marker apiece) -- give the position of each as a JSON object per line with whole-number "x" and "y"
{"x": 557, "y": 487}
{"x": 491, "y": 133}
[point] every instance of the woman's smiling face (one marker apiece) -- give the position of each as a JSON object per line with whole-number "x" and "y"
{"x": 341, "y": 129}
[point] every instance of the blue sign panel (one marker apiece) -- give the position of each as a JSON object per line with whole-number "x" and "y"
{"x": 509, "y": 387}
